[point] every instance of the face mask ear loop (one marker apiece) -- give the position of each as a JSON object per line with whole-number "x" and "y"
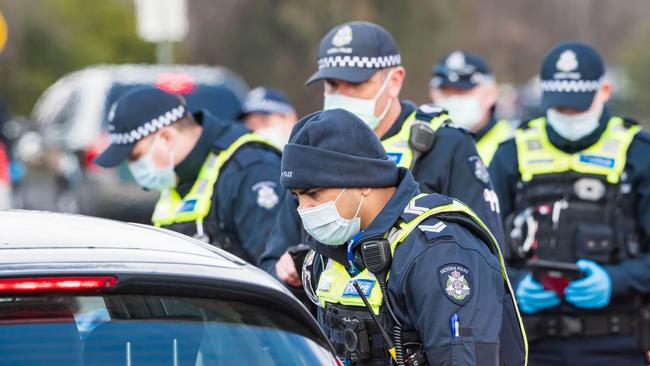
{"x": 383, "y": 86}
{"x": 359, "y": 208}
{"x": 385, "y": 112}
{"x": 153, "y": 146}
{"x": 172, "y": 155}
{"x": 339, "y": 196}
{"x": 390, "y": 100}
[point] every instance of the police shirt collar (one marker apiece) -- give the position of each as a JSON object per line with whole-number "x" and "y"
{"x": 390, "y": 214}
{"x": 485, "y": 129}
{"x": 408, "y": 108}
{"x": 188, "y": 169}
{"x": 572, "y": 147}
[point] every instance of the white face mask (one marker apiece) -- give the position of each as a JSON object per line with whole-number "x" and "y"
{"x": 464, "y": 111}
{"x": 148, "y": 175}
{"x": 362, "y": 108}
{"x": 325, "y": 224}
{"x": 277, "y": 135}
{"x": 574, "y": 127}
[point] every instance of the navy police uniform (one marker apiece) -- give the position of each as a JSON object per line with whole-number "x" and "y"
{"x": 576, "y": 200}
{"x": 450, "y": 165}
{"x": 445, "y": 265}
{"x": 246, "y": 195}
{"x": 227, "y": 189}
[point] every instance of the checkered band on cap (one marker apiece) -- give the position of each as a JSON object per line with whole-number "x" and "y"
{"x": 360, "y": 61}
{"x": 130, "y": 137}
{"x": 571, "y": 86}
{"x": 266, "y": 105}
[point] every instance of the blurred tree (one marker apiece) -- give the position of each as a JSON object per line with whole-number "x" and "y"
{"x": 273, "y": 42}
{"x": 635, "y": 61}
{"x": 51, "y": 38}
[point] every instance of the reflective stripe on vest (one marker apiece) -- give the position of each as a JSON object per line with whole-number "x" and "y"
{"x": 397, "y": 146}
{"x": 335, "y": 283}
{"x": 488, "y": 144}
{"x": 195, "y": 206}
{"x": 607, "y": 157}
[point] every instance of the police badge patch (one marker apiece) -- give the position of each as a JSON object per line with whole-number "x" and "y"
{"x": 455, "y": 282}
{"x": 266, "y": 196}
{"x": 479, "y": 169}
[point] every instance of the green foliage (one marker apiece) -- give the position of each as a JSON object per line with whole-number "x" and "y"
{"x": 55, "y": 37}
{"x": 635, "y": 61}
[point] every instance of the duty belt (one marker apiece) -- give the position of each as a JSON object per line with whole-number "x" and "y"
{"x": 547, "y": 326}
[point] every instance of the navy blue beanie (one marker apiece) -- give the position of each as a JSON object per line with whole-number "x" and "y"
{"x": 335, "y": 149}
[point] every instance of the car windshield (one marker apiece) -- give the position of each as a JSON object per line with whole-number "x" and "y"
{"x": 136, "y": 330}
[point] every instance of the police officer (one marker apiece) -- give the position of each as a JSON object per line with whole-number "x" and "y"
{"x": 218, "y": 181}
{"x": 574, "y": 187}
{"x": 463, "y": 84}
{"x": 361, "y": 67}
{"x": 268, "y": 112}
{"x": 425, "y": 263}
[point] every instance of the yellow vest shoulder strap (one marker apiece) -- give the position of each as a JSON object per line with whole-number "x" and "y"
{"x": 397, "y": 146}
{"x": 195, "y": 206}
{"x": 487, "y": 146}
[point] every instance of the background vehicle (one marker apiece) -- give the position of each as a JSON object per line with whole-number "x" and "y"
{"x": 70, "y": 131}
{"x": 89, "y": 291}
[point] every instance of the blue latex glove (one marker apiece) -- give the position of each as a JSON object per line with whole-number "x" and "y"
{"x": 532, "y": 297}
{"x": 594, "y": 290}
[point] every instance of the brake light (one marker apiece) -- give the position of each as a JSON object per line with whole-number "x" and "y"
{"x": 41, "y": 284}
{"x": 175, "y": 83}
{"x": 92, "y": 150}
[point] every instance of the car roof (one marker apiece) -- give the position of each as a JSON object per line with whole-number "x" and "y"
{"x": 36, "y": 242}
{"x": 95, "y": 82}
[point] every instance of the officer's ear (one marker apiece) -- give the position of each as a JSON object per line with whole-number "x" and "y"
{"x": 605, "y": 91}
{"x": 168, "y": 135}
{"x": 491, "y": 95}
{"x": 435, "y": 95}
{"x": 396, "y": 80}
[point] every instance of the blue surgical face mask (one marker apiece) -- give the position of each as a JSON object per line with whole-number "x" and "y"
{"x": 362, "y": 108}
{"x": 148, "y": 175}
{"x": 574, "y": 127}
{"x": 325, "y": 224}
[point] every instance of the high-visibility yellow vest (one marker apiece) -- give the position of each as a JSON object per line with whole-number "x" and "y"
{"x": 397, "y": 146}
{"x": 195, "y": 206}
{"x": 537, "y": 155}
{"x": 335, "y": 285}
{"x": 488, "y": 144}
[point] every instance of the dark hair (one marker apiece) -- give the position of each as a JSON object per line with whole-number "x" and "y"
{"x": 185, "y": 123}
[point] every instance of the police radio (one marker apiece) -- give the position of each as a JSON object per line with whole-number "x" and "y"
{"x": 377, "y": 257}
{"x": 420, "y": 139}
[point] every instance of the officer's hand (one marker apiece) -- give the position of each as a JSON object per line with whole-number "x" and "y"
{"x": 286, "y": 270}
{"x": 532, "y": 297}
{"x": 594, "y": 290}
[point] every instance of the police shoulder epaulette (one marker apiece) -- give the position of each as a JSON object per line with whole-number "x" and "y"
{"x": 427, "y": 112}
{"x": 525, "y": 124}
{"x": 630, "y": 122}
{"x": 247, "y": 155}
{"x": 423, "y": 204}
{"x": 433, "y": 228}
